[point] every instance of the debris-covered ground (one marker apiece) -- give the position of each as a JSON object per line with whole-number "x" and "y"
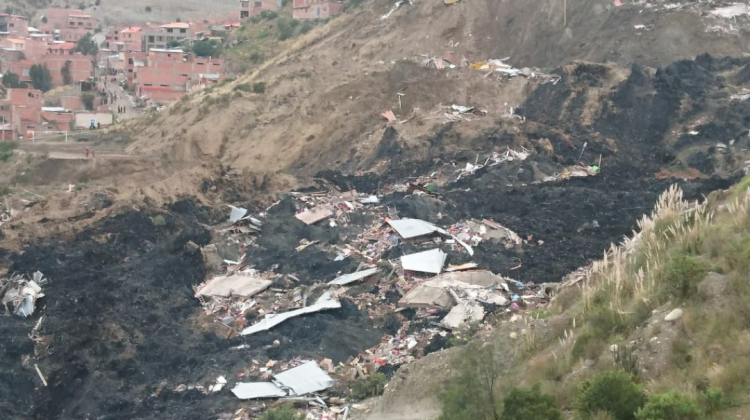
{"x": 162, "y": 312}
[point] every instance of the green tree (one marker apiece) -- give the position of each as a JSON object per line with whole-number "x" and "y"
{"x": 44, "y": 19}
{"x": 40, "y": 77}
{"x": 530, "y": 404}
{"x": 67, "y": 77}
{"x": 206, "y": 48}
{"x": 173, "y": 44}
{"x": 614, "y": 392}
{"x": 471, "y": 393}
{"x": 12, "y": 81}
{"x": 88, "y": 100}
{"x": 86, "y": 45}
{"x": 670, "y": 406}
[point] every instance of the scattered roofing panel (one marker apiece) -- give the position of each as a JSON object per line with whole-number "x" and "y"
{"x": 252, "y": 390}
{"x": 351, "y": 278}
{"x": 412, "y": 228}
{"x": 305, "y": 379}
{"x": 431, "y": 261}
{"x": 326, "y": 301}
{"x": 236, "y": 214}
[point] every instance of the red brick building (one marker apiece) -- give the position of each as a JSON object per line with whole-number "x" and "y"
{"x": 128, "y": 38}
{"x": 168, "y": 75}
{"x": 313, "y": 9}
{"x": 81, "y": 67}
{"x": 67, "y": 24}
{"x": 14, "y": 25}
{"x": 21, "y": 109}
{"x": 250, "y": 8}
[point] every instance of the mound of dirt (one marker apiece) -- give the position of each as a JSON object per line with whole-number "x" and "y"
{"x": 326, "y": 91}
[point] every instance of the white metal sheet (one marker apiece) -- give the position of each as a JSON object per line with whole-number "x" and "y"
{"x": 352, "y": 277}
{"x": 431, "y": 261}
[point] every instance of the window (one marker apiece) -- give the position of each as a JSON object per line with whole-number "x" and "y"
{"x": 245, "y": 4}
{"x": 169, "y": 30}
{"x": 147, "y": 84}
{"x": 12, "y": 25}
{"x": 200, "y": 64}
{"x": 184, "y": 75}
{"x": 183, "y": 31}
{"x": 164, "y": 85}
{"x": 150, "y": 38}
{"x": 25, "y": 72}
{"x": 72, "y": 24}
{"x": 258, "y": 4}
{"x": 160, "y": 38}
{"x": 80, "y": 23}
{"x": 244, "y": 14}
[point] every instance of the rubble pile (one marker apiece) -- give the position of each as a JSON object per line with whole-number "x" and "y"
{"x": 419, "y": 295}
{"x": 19, "y": 293}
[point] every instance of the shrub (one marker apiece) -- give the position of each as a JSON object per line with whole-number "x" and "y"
{"x": 306, "y": 27}
{"x": 587, "y": 346}
{"x": 286, "y": 412}
{"x": 370, "y": 386}
{"x": 670, "y": 406}
{"x": 712, "y": 400}
{"x": 614, "y": 392}
{"x": 259, "y": 87}
{"x": 268, "y": 14}
{"x": 470, "y": 393}
{"x": 243, "y": 87}
{"x": 6, "y": 150}
{"x": 627, "y": 360}
{"x": 682, "y": 275}
{"x": 530, "y": 404}
{"x": 159, "y": 221}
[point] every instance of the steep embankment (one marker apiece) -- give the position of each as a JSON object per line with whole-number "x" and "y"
{"x": 325, "y": 91}
{"x": 661, "y": 320}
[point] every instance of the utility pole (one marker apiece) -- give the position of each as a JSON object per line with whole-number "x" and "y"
{"x": 565, "y": 12}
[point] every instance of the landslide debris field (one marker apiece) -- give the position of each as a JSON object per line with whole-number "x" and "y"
{"x": 123, "y": 335}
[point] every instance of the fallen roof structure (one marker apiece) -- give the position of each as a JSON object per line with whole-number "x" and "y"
{"x": 301, "y": 380}
{"x": 327, "y": 301}
{"x": 475, "y": 285}
{"x": 352, "y": 277}
{"x": 431, "y": 261}
{"x": 239, "y": 284}
{"x": 413, "y": 228}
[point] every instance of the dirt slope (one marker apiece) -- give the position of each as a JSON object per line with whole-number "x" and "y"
{"x": 326, "y": 90}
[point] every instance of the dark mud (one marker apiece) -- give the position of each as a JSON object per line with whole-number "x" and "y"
{"x": 118, "y": 304}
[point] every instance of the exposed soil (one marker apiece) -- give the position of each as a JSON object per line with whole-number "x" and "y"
{"x": 120, "y": 302}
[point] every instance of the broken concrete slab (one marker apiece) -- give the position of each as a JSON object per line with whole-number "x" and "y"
{"x": 211, "y": 258}
{"x": 481, "y": 286}
{"x": 239, "y": 284}
{"x": 431, "y": 261}
{"x": 305, "y": 379}
{"x": 314, "y": 215}
{"x": 413, "y": 228}
{"x": 352, "y": 277}
{"x": 423, "y": 296}
{"x": 327, "y": 301}
{"x": 301, "y": 380}
{"x": 464, "y": 312}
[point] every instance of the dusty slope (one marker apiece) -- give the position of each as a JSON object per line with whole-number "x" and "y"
{"x": 326, "y": 90}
